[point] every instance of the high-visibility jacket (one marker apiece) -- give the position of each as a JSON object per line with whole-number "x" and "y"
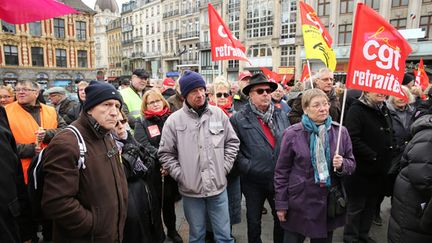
{"x": 23, "y": 126}
{"x": 132, "y": 101}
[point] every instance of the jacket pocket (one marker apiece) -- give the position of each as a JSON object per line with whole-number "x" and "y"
{"x": 217, "y": 136}
{"x": 14, "y": 208}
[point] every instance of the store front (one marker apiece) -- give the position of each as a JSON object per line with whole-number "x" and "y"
{"x": 9, "y": 78}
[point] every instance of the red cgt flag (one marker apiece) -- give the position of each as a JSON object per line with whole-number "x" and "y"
{"x": 378, "y": 54}
{"x": 422, "y": 78}
{"x": 272, "y": 76}
{"x": 305, "y": 74}
{"x": 27, "y": 11}
{"x": 224, "y": 45}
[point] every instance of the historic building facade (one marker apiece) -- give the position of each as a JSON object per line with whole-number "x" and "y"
{"x": 114, "y": 34}
{"x": 53, "y": 52}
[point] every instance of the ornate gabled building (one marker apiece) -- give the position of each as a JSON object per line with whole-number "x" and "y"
{"x": 107, "y": 11}
{"x": 53, "y": 52}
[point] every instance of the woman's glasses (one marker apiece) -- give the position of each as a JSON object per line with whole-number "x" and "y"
{"x": 153, "y": 102}
{"x": 226, "y": 95}
{"x": 121, "y": 121}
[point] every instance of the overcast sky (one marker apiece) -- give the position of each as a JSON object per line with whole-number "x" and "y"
{"x": 91, "y": 3}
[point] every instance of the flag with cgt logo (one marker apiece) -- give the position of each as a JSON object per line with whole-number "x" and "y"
{"x": 378, "y": 54}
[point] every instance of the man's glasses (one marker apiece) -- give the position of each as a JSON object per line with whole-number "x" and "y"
{"x": 153, "y": 102}
{"x": 24, "y": 90}
{"x": 261, "y": 91}
{"x": 226, "y": 95}
{"x": 121, "y": 121}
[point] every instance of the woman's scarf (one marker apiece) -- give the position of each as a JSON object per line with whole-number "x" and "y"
{"x": 266, "y": 117}
{"x": 226, "y": 108}
{"x": 149, "y": 114}
{"x": 319, "y": 147}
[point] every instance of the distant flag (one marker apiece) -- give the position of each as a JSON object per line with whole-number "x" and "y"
{"x": 317, "y": 40}
{"x": 305, "y": 73}
{"x": 421, "y": 77}
{"x": 224, "y": 45}
{"x": 412, "y": 16}
{"x": 271, "y": 76}
{"x": 378, "y": 55}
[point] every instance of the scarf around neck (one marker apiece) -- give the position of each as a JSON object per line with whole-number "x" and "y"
{"x": 266, "y": 117}
{"x": 149, "y": 114}
{"x": 319, "y": 148}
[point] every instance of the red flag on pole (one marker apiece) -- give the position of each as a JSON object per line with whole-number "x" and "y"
{"x": 224, "y": 45}
{"x": 27, "y": 11}
{"x": 305, "y": 73}
{"x": 271, "y": 76}
{"x": 378, "y": 54}
{"x": 422, "y": 78}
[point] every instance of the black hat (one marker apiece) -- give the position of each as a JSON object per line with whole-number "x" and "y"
{"x": 256, "y": 79}
{"x": 141, "y": 73}
{"x": 408, "y": 78}
{"x": 97, "y": 92}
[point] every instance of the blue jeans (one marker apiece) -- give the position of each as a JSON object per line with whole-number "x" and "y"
{"x": 216, "y": 207}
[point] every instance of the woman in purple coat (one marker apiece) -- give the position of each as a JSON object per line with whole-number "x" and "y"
{"x": 306, "y": 170}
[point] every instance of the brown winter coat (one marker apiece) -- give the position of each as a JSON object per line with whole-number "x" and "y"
{"x": 86, "y": 205}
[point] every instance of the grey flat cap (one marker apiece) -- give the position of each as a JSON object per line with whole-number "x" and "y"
{"x": 56, "y": 90}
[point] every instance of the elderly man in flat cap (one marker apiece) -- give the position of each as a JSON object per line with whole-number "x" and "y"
{"x": 62, "y": 103}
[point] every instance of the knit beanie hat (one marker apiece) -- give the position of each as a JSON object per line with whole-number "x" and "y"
{"x": 408, "y": 78}
{"x": 189, "y": 81}
{"x": 97, "y": 92}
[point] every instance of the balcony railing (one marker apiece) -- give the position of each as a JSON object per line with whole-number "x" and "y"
{"x": 127, "y": 42}
{"x": 190, "y": 11}
{"x": 171, "y": 13}
{"x": 138, "y": 54}
{"x": 204, "y": 45}
{"x": 191, "y": 61}
{"x": 191, "y": 34}
{"x": 138, "y": 38}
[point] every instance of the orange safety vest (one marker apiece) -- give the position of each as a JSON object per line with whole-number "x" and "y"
{"x": 23, "y": 126}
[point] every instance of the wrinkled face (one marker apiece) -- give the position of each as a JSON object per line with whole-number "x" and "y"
{"x": 318, "y": 109}
{"x": 196, "y": 97}
{"x": 221, "y": 96}
{"x": 26, "y": 94}
{"x": 278, "y": 93}
{"x": 243, "y": 83}
{"x": 375, "y": 97}
{"x": 5, "y": 97}
{"x": 154, "y": 103}
{"x": 260, "y": 96}
{"x": 81, "y": 92}
{"x": 325, "y": 82}
{"x": 138, "y": 83}
{"x": 399, "y": 103}
{"x": 120, "y": 127}
{"x": 234, "y": 88}
{"x": 106, "y": 113}
{"x": 55, "y": 98}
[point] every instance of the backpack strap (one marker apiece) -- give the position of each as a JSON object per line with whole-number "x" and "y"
{"x": 39, "y": 160}
{"x": 81, "y": 145}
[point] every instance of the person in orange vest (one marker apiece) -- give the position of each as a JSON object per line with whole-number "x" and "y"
{"x": 33, "y": 125}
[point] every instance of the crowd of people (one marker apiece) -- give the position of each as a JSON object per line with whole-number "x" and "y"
{"x": 147, "y": 146}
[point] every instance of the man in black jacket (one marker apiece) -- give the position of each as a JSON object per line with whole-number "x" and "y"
{"x": 259, "y": 127}
{"x": 15, "y": 215}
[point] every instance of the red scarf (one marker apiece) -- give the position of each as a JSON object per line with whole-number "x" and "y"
{"x": 149, "y": 114}
{"x": 226, "y": 108}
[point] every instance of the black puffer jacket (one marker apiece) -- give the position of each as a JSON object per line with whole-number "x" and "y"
{"x": 371, "y": 134}
{"x": 411, "y": 213}
{"x": 143, "y": 221}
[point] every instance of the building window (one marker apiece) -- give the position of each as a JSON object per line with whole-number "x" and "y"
{"x": 373, "y": 4}
{"x": 288, "y": 19}
{"x": 59, "y": 28}
{"x": 206, "y": 60}
{"x": 288, "y": 54}
{"x": 37, "y": 56}
{"x": 259, "y": 51}
{"x": 323, "y": 7}
{"x": 427, "y": 1}
{"x": 81, "y": 32}
{"x": 11, "y": 55}
{"x": 399, "y": 3}
{"x": 426, "y": 25}
{"x": 399, "y": 24}
{"x": 8, "y": 28}
{"x": 35, "y": 29}
{"x": 233, "y": 64}
{"x": 344, "y": 35}
{"x": 346, "y": 6}
{"x": 61, "y": 58}
{"x": 259, "y": 20}
{"x": 82, "y": 59}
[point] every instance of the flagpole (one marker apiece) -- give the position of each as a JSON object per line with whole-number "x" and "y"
{"x": 213, "y": 72}
{"x": 310, "y": 73}
{"x": 341, "y": 122}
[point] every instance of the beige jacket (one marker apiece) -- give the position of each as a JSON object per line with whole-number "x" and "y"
{"x": 198, "y": 152}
